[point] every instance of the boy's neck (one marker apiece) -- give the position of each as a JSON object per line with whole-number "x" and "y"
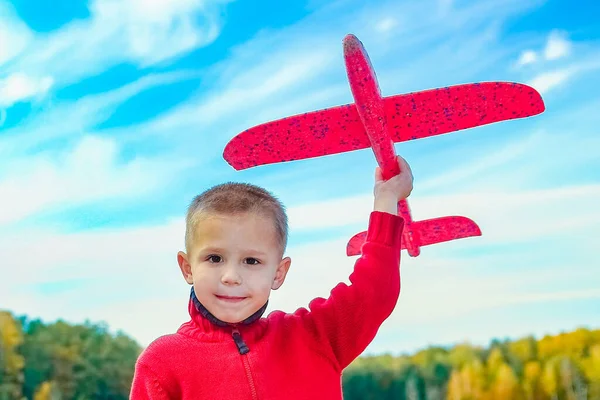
{"x": 207, "y": 314}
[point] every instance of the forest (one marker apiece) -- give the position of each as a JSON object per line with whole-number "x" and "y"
{"x": 58, "y": 360}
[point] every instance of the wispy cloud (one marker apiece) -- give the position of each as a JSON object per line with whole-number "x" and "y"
{"x": 71, "y": 119}
{"x": 132, "y": 31}
{"x": 549, "y": 80}
{"x": 504, "y": 217}
{"x": 14, "y": 34}
{"x": 558, "y": 46}
{"x": 88, "y": 172}
{"x": 546, "y": 81}
{"x": 18, "y": 87}
{"x": 559, "y": 61}
{"x": 527, "y": 57}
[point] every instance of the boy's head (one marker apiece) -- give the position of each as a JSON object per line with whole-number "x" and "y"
{"x": 236, "y": 235}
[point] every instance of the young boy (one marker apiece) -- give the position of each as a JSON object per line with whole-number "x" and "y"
{"x": 235, "y": 240}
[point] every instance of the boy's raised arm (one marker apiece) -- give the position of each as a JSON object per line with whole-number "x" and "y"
{"x": 346, "y": 323}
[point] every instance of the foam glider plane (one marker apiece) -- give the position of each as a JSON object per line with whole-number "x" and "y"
{"x": 379, "y": 122}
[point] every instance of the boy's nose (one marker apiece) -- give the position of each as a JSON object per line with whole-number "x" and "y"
{"x": 231, "y": 276}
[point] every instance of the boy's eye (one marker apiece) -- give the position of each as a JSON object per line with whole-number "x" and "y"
{"x": 214, "y": 259}
{"x": 252, "y": 261}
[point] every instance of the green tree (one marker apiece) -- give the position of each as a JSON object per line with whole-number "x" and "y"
{"x": 83, "y": 361}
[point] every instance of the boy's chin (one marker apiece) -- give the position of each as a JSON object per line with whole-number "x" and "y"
{"x": 231, "y": 319}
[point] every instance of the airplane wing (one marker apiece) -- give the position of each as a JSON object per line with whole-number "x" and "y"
{"x": 427, "y": 232}
{"x": 409, "y": 116}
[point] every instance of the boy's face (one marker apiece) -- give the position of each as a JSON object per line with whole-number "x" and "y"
{"x": 234, "y": 263}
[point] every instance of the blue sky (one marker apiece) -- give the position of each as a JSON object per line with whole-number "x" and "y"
{"x": 114, "y": 114}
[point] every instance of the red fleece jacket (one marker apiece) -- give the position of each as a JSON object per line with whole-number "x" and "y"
{"x": 291, "y": 356}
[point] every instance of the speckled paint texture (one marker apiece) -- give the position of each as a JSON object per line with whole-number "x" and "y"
{"x": 379, "y": 122}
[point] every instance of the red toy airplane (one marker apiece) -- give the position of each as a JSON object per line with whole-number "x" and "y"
{"x": 377, "y": 122}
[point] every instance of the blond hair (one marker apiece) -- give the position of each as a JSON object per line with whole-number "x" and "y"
{"x": 235, "y": 198}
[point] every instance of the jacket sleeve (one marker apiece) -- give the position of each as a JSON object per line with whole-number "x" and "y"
{"x": 345, "y": 324}
{"x": 146, "y": 385}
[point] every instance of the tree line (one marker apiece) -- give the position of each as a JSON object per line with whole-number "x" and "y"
{"x": 555, "y": 367}
{"x": 52, "y": 361}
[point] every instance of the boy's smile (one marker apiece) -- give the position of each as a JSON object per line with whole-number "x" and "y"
{"x": 231, "y": 299}
{"x": 234, "y": 264}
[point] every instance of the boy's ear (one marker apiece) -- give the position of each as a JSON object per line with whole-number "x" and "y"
{"x": 185, "y": 267}
{"x": 280, "y": 274}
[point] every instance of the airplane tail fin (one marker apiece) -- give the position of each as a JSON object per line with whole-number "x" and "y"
{"x": 425, "y": 232}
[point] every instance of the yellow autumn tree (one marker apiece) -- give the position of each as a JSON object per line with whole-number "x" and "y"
{"x": 523, "y": 349}
{"x": 494, "y": 361}
{"x": 47, "y": 391}
{"x": 11, "y": 362}
{"x": 505, "y": 384}
{"x": 455, "y": 389}
{"x": 532, "y": 385}
{"x": 591, "y": 369}
{"x": 550, "y": 378}
{"x": 573, "y": 344}
{"x": 468, "y": 383}
{"x": 463, "y": 354}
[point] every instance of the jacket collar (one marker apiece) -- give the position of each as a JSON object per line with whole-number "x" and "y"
{"x": 206, "y": 327}
{"x": 207, "y": 314}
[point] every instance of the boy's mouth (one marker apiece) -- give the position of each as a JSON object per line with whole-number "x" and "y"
{"x": 230, "y": 299}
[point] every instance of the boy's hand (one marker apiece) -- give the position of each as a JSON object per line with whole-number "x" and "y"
{"x": 389, "y": 193}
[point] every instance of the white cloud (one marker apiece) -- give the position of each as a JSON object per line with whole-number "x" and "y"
{"x": 144, "y": 33}
{"x": 86, "y": 173}
{"x": 19, "y": 87}
{"x": 14, "y": 34}
{"x": 247, "y": 91}
{"x": 505, "y": 217}
{"x": 546, "y": 81}
{"x": 527, "y": 57}
{"x": 484, "y": 161}
{"x": 386, "y": 25}
{"x": 107, "y": 272}
{"x": 157, "y": 30}
{"x": 557, "y": 46}
{"x": 72, "y": 118}
{"x": 550, "y": 80}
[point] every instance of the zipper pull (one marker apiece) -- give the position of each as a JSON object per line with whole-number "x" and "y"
{"x": 241, "y": 345}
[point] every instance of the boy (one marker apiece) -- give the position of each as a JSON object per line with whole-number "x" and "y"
{"x": 236, "y": 235}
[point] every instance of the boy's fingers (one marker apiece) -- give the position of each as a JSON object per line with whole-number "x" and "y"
{"x": 403, "y": 164}
{"x": 378, "y": 174}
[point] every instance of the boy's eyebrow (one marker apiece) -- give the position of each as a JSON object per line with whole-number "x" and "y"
{"x": 213, "y": 249}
